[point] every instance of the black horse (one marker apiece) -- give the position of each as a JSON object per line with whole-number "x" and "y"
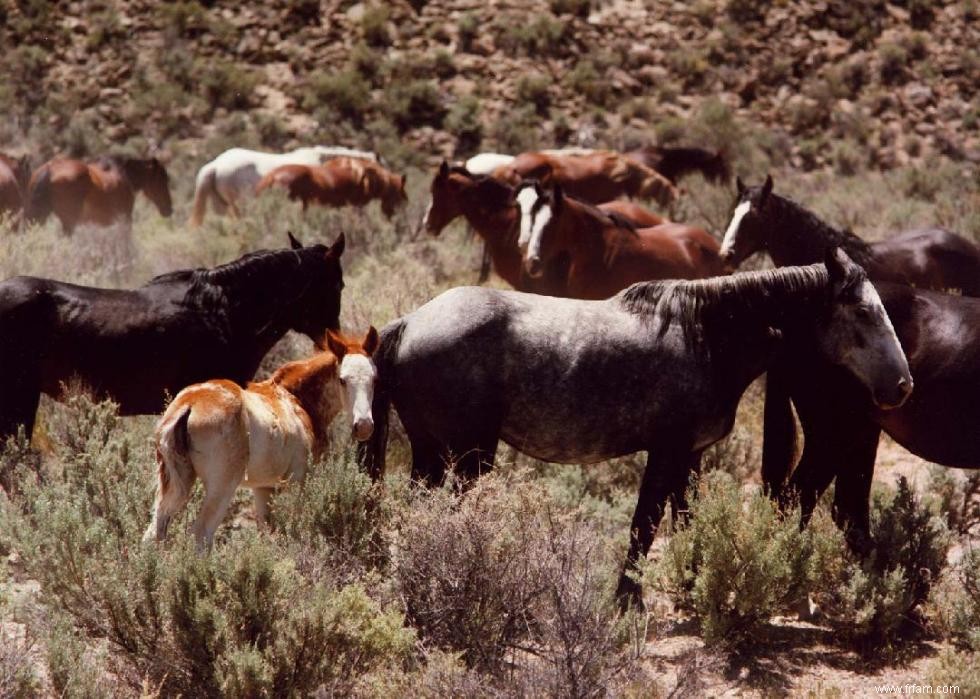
{"x": 929, "y": 258}
{"x": 940, "y": 334}
{"x": 675, "y": 163}
{"x": 137, "y": 346}
{"x": 660, "y": 367}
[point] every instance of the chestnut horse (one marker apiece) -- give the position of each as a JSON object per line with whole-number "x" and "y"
{"x": 15, "y": 176}
{"x": 929, "y": 258}
{"x": 592, "y": 176}
{"x": 604, "y": 252}
{"x": 490, "y": 208}
{"x": 137, "y": 346}
{"x": 258, "y": 436}
{"x": 675, "y": 163}
{"x": 339, "y": 182}
{"x": 101, "y": 192}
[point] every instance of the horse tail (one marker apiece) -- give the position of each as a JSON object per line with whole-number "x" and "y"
{"x": 175, "y": 471}
{"x": 371, "y": 454}
{"x": 204, "y": 187}
{"x": 779, "y": 433}
{"x": 38, "y": 206}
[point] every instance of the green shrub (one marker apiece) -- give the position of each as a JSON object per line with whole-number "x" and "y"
{"x": 184, "y": 18}
{"x": 954, "y": 604}
{"x": 105, "y": 29}
{"x": 734, "y": 563}
{"x": 959, "y": 500}
{"x": 467, "y": 30}
{"x": 366, "y": 61}
{"x": 225, "y": 84}
{"x": 893, "y": 59}
{"x": 374, "y": 25}
{"x": 463, "y": 121}
{"x": 442, "y": 64}
{"x": 533, "y": 89}
{"x": 543, "y": 36}
{"x": 577, "y": 8}
{"x": 690, "y": 64}
{"x": 872, "y": 602}
{"x": 585, "y": 79}
{"x": 516, "y": 130}
{"x": 413, "y": 104}
{"x": 848, "y": 157}
{"x": 346, "y": 93}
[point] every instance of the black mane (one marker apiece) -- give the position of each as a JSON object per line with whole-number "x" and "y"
{"x": 790, "y": 218}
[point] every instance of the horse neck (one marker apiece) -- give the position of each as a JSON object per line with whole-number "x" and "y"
{"x": 311, "y": 383}
{"x": 580, "y": 233}
{"x": 496, "y": 224}
{"x": 796, "y": 236}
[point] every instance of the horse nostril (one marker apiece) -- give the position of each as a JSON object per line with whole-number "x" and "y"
{"x": 905, "y": 386}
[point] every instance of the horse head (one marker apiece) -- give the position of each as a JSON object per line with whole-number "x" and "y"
{"x": 745, "y": 234}
{"x": 149, "y": 176}
{"x": 444, "y": 203}
{"x": 317, "y": 307}
{"x": 357, "y": 376}
{"x": 859, "y": 335}
{"x": 539, "y": 207}
{"x": 394, "y": 194}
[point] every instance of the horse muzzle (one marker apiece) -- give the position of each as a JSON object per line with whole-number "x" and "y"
{"x": 363, "y": 429}
{"x": 896, "y": 396}
{"x": 534, "y": 267}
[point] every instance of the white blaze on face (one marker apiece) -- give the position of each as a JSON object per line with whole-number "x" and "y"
{"x": 525, "y": 200}
{"x": 357, "y": 377}
{"x": 728, "y": 243}
{"x": 537, "y": 231}
{"x": 428, "y": 210}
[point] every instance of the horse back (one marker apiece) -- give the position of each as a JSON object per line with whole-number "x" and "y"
{"x": 929, "y": 258}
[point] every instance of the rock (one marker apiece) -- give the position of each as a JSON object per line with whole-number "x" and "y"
{"x": 918, "y": 95}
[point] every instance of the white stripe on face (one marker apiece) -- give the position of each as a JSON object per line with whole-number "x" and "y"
{"x": 728, "y": 243}
{"x": 359, "y": 374}
{"x": 525, "y": 200}
{"x": 537, "y": 231}
{"x": 428, "y": 210}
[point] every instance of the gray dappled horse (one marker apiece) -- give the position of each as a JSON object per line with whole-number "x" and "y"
{"x": 659, "y": 367}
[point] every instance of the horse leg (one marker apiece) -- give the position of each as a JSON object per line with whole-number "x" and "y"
{"x": 260, "y": 502}
{"x": 779, "y": 434}
{"x": 477, "y": 460}
{"x": 667, "y": 471}
{"x": 217, "y": 499}
{"x": 428, "y": 465}
{"x": 854, "y": 474}
{"x": 166, "y": 507}
{"x": 20, "y": 389}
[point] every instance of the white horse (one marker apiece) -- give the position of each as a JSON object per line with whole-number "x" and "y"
{"x": 486, "y": 163}
{"x": 232, "y": 176}
{"x": 258, "y": 436}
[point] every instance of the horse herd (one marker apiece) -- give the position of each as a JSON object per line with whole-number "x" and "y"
{"x": 624, "y": 333}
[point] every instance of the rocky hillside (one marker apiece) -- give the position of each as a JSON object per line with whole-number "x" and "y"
{"x": 849, "y": 83}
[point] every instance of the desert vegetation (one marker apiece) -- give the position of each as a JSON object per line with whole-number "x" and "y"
{"x": 390, "y": 589}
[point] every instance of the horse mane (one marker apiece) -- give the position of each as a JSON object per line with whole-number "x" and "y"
{"x": 691, "y": 302}
{"x": 808, "y": 223}
{"x": 494, "y": 192}
{"x": 675, "y": 161}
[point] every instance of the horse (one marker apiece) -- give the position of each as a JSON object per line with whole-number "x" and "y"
{"x": 930, "y": 258}
{"x": 489, "y": 207}
{"x": 260, "y": 435}
{"x": 659, "y": 367}
{"x": 137, "y": 346}
{"x": 486, "y": 163}
{"x": 940, "y": 334}
{"x": 676, "y": 163}
{"x": 592, "y": 176}
{"x": 339, "y": 182}
{"x": 101, "y": 192}
{"x": 232, "y": 176}
{"x": 605, "y": 253}
{"x": 15, "y": 177}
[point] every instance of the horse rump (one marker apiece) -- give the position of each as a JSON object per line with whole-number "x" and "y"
{"x": 175, "y": 471}
{"x": 38, "y": 205}
{"x": 203, "y": 189}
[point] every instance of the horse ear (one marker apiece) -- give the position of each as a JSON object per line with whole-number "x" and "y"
{"x": 739, "y": 186}
{"x": 767, "y": 187}
{"x": 337, "y": 249}
{"x": 371, "y": 341}
{"x": 840, "y": 268}
{"x": 293, "y": 242}
{"x": 336, "y": 345}
{"x": 444, "y": 169}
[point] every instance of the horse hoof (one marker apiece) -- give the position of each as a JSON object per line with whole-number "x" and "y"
{"x": 629, "y": 595}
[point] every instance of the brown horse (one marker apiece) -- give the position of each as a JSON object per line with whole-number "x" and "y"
{"x": 606, "y": 253}
{"x": 339, "y": 182}
{"x": 592, "y": 176}
{"x": 100, "y": 192}
{"x": 675, "y": 163}
{"x": 15, "y": 174}
{"x": 490, "y": 208}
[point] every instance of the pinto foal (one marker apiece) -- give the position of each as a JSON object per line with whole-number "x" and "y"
{"x": 257, "y": 436}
